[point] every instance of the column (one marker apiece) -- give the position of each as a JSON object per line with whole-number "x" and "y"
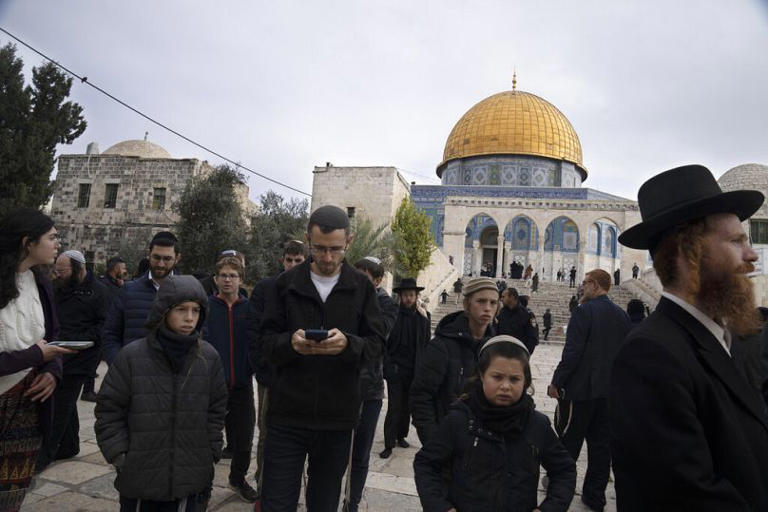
{"x": 499, "y": 254}
{"x": 477, "y": 258}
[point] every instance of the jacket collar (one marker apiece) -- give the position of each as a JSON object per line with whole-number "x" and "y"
{"x": 301, "y": 281}
{"x": 712, "y": 355}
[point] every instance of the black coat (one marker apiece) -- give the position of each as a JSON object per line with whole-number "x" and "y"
{"x": 265, "y": 375}
{"x": 81, "y": 310}
{"x": 490, "y": 472}
{"x": 320, "y": 392}
{"x": 519, "y": 322}
{"x": 408, "y": 339}
{"x": 163, "y": 430}
{"x": 595, "y": 333}
{"x": 442, "y": 371}
{"x": 687, "y": 431}
{"x": 372, "y": 373}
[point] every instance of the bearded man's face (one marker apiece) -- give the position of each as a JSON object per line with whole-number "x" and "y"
{"x": 725, "y": 291}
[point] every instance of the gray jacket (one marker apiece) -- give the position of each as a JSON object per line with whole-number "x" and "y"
{"x": 163, "y": 431}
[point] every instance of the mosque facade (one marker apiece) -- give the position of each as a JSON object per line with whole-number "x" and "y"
{"x": 512, "y": 190}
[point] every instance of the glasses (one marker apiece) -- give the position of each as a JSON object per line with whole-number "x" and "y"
{"x": 319, "y": 249}
{"x": 225, "y": 277}
{"x": 166, "y": 259}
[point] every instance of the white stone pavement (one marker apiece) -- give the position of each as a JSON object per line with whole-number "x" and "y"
{"x": 85, "y": 483}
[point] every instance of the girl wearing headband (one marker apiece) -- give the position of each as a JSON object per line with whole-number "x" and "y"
{"x": 494, "y": 442}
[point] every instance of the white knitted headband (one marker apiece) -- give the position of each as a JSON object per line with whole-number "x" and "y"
{"x": 504, "y": 338}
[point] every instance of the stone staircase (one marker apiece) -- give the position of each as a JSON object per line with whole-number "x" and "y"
{"x": 552, "y": 295}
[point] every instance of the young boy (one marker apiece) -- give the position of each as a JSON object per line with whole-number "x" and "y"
{"x": 227, "y": 330}
{"x": 160, "y": 410}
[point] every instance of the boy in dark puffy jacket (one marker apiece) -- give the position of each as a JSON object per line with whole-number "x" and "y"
{"x": 160, "y": 410}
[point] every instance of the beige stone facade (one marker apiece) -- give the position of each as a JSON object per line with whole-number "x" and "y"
{"x": 372, "y": 192}
{"x": 108, "y": 202}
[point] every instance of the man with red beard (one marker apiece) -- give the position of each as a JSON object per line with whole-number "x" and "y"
{"x": 687, "y": 430}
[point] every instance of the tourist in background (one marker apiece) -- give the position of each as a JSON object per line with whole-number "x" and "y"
{"x": 30, "y": 368}
{"x": 371, "y": 388}
{"x": 407, "y": 339}
{"x": 449, "y": 359}
{"x": 81, "y": 305}
{"x": 595, "y": 333}
{"x": 129, "y": 311}
{"x": 227, "y": 329}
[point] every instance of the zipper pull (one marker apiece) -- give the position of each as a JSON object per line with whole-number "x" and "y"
{"x": 474, "y": 445}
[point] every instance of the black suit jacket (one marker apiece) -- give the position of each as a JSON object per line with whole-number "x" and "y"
{"x": 595, "y": 332}
{"x": 687, "y": 430}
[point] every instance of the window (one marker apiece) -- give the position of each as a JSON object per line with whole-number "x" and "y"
{"x": 84, "y": 195}
{"x": 110, "y": 196}
{"x": 158, "y": 199}
{"x": 351, "y": 212}
{"x": 758, "y": 231}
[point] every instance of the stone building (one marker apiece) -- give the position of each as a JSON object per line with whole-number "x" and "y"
{"x": 112, "y": 202}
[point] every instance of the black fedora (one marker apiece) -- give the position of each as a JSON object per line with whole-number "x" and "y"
{"x": 407, "y": 283}
{"x": 681, "y": 194}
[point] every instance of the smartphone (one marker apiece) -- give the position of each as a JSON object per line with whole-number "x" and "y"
{"x": 316, "y": 334}
{"x": 74, "y": 345}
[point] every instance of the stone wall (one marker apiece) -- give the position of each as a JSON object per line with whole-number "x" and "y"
{"x": 104, "y": 231}
{"x": 373, "y": 192}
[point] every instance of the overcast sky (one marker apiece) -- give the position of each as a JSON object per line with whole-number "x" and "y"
{"x": 284, "y": 86}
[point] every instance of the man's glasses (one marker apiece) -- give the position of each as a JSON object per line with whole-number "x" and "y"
{"x": 166, "y": 259}
{"x": 319, "y": 249}
{"x": 225, "y": 277}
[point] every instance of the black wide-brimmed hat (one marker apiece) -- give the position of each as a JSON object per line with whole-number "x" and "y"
{"x": 682, "y": 194}
{"x": 407, "y": 283}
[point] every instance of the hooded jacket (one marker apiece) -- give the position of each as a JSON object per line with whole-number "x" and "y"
{"x": 442, "y": 371}
{"x": 491, "y": 472}
{"x": 163, "y": 431}
{"x": 320, "y": 392}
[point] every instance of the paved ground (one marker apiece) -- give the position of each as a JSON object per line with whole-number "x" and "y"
{"x": 84, "y": 483}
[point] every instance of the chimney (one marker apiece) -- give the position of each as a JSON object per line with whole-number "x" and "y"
{"x": 92, "y": 149}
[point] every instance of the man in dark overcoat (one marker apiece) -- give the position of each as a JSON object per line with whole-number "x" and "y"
{"x": 687, "y": 430}
{"x": 595, "y": 332}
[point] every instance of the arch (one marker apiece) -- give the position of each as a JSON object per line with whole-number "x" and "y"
{"x": 608, "y": 240}
{"x": 475, "y": 227}
{"x": 523, "y": 233}
{"x": 594, "y": 236}
{"x": 561, "y": 235}
{"x": 489, "y": 236}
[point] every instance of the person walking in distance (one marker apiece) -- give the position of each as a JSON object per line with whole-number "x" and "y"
{"x": 595, "y": 333}
{"x": 321, "y": 325}
{"x": 572, "y": 277}
{"x": 675, "y": 386}
{"x": 372, "y": 390}
{"x": 449, "y": 359}
{"x": 408, "y": 338}
{"x": 547, "y": 318}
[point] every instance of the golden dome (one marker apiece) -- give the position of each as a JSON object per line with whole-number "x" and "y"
{"x": 514, "y": 123}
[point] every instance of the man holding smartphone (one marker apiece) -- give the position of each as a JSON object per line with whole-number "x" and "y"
{"x": 315, "y": 398}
